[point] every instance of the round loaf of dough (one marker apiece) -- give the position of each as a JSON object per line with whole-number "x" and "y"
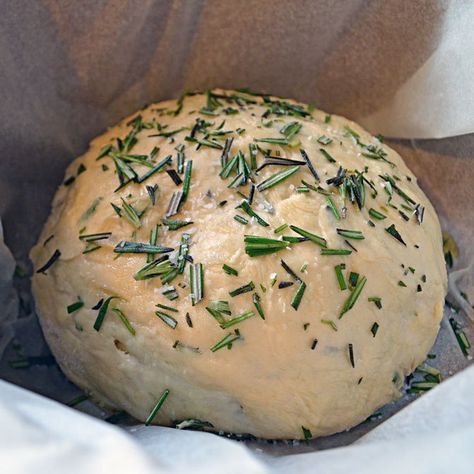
{"x": 241, "y": 260}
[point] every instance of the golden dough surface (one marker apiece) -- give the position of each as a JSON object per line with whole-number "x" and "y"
{"x": 325, "y": 352}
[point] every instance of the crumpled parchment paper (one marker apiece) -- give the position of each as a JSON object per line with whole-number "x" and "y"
{"x": 70, "y": 69}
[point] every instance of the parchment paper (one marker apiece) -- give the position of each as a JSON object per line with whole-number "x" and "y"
{"x": 69, "y": 69}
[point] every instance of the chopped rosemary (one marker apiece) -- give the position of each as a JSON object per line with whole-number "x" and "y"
{"x": 350, "y": 234}
{"x": 327, "y": 155}
{"x": 314, "y": 344}
{"x": 168, "y": 308}
{"x": 374, "y": 329}
{"x": 237, "y": 319}
{"x": 242, "y": 289}
{"x": 340, "y": 277}
{"x": 104, "y": 151}
{"x": 75, "y": 306}
{"x": 290, "y": 271}
{"x": 155, "y": 169}
{"x": 204, "y": 142}
{"x": 307, "y": 435}
{"x": 376, "y": 300}
{"x": 461, "y": 337}
{"x": 102, "y": 312}
{"x": 131, "y": 214}
{"x": 175, "y": 202}
{"x": 273, "y": 141}
{"x": 138, "y": 247}
{"x": 355, "y": 293}
{"x": 229, "y": 270}
{"x": 124, "y": 320}
{"x": 298, "y": 296}
{"x": 351, "y": 355}
{"x": 376, "y": 214}
{"x": 178, "y": 345}
{"x": 309, "y": 164}
{"x": 313, "y": 237}
{"x": 332, "y": 205}
{"x": 253, "y": 156}
{"x": 91, "y": 209}
{"x": 226, "y": 341}
{"x": 290, "y": 129}
{"x": 50, "y": 262}
{"x": 155, "y": 268}
{"x": 258, "y": 306}
{"x": 170, "y": 293}
{"x": 280, "y": 228}
{"x": 256, "y": 246}
{"x": 167, "y": 319}
{"x": 196, "y": 276}
{"x": 95, "y": 237}
{"x": 324, "y": 140}
{"x": 153, "y": 241}
{"x": 228, "y": 167}
{"x": 330, "y": 323}
{"x": 176, "y": 224}
{"x": 157, "y": 407}
{"x": 187, "y": 180}
{"x": 277, "y": 178}
{"x": 174, "y": 176}
{"x": 193, "y": 424}
{"x": 244, "y": 205}
{"x": 189, "y": 321}
{"x": 402, "y": 284}
{"x": 336, "y": 252}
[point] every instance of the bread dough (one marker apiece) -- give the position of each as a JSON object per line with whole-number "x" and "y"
{"x": 305, "y": 367}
